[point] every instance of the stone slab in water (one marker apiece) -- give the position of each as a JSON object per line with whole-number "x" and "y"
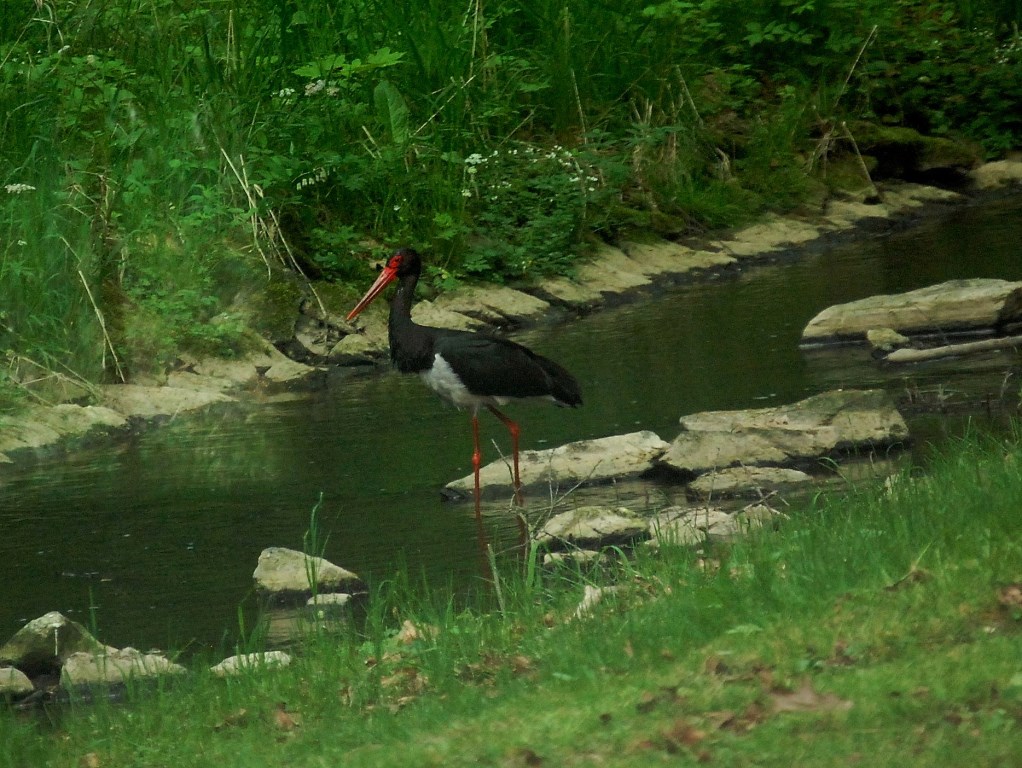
{"x": 670, "y": 258}
{"x": 745, "y": 481}
{"x": 957, "y": 306}
{"x": 585, "y": 461}
{"x": 45, "y": 643}
{"x": 139, "y": 401}
{"x": 818, "y": 426}
{"x": 250, "y": 662}
{"x": 678, "y": 526}
{"x": 283, "y": 572}
{"x": 42, "y": 426}
{"x": 592, "y": 527}
{"x": 14, "y": 683}
{"x": 496, "y": 305}
{"x": 114, "y": 666}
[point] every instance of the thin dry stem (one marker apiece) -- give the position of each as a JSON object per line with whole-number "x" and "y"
{"x": 102, "y": 324}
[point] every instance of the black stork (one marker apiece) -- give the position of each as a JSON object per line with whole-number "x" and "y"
{"x": 467, "y": 369}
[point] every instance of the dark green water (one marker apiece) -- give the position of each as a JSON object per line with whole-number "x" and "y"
{"x": 161, "y": 532}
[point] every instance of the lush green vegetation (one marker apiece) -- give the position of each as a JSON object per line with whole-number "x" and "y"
{"x": 882, "y": 625}
{"x": 158, "y": 158}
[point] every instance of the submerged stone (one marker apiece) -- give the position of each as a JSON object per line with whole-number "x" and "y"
{"x": 114, "y": 666}
{"x": 251, "y": 662}
{"x": 585, "y": 461}
{"x": 810, "y": 429}
{"x": 45, "y": 643}
{"x": 592, "y": 527}
{"x": 957, "y": 306}
{"x": 286, "y": 573}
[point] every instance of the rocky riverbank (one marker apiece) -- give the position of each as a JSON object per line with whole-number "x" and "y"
{"x": 321, "y": 342}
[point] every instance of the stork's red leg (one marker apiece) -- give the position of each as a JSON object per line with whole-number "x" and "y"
{"x": 513, "y": 429}
{"x": 477, "y": 458}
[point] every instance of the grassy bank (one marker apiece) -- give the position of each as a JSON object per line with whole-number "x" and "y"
{"x": 161, "y": 163}
{"x": 881, "y": 627}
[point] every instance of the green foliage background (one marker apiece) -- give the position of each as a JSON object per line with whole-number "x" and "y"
{"x": 157, "y": 157}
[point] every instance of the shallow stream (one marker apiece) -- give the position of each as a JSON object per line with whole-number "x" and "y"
{"x": 152, "y": 539}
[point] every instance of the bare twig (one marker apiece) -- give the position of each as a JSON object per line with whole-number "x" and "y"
{"x": 102, "y": 325}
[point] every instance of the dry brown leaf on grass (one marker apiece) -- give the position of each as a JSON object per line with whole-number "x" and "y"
{"x": 284, "y": 720}
{"x": 90, "y": 760}
{"x": 649, "y": 700}
{"x": 684, "y": 734}
{"x": 1009, "y": 597}
{"x": 527, "y": 756}
{"x": 716, "y": 666}
{"x": 405, "y": 681}
{"x": 737, "y": 722}
{"x": 807, "y": 699}
{"x": 410, "y": 632}
{"x": 680, "y": 735}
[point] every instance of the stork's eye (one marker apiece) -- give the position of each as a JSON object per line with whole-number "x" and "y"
{"x": 395, "y": 262}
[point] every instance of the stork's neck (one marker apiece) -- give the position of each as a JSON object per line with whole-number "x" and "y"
{"x": 401, "y": 301}
{"x": 411, "y": 345}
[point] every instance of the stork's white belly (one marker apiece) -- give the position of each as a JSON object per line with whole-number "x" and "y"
{"x": 442, "y": 379}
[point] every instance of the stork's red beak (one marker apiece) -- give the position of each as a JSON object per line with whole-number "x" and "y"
{"x": 386, "y": 277}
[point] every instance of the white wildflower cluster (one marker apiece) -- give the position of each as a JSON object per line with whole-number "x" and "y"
{"x": 17, "y": 189}
{"x": 559, "y": 163}
{"x": 1009, "y": 52}
{"x": 312, "y": 88}
{"x": 472, "y": 163}
{"x": 318, "y": 176}
{"x": 326, "y": 87}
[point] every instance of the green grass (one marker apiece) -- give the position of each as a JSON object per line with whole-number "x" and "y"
{"x": 874, "y": 627}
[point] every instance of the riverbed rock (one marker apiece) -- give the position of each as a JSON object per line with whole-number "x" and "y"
{"x": 251, "y": 662}
{"x": 495, "y": 305}
{"x": 745, "y": 481}
{"x": 591, "y": 597}
{"x": 585, "y": 461}
{"x": 568, "y": 293}
{"x": 357, "y": 349}
{"x": 284, "y": 574}
{"x": 591, "y": 528}
{"x": 313, "y": 338}
{"x": 14, "y": 683}
{"x": 955, "y": 307}
{"x": 682, "y": 526}
{"x": 43, "y": 426}
{"x": 264, "y": 366}
{"x": 667, "y": 258}
{"x": 772, "y": 234}
{"x": 686, "y": 526}
{"x": 113, "y": 666}
{"x": 611, "y": 272}
{"x": 884, "y": 340}
{"x": 903, "y": 152}
{"x": 999, "y": 173}
{"x": 441, "y": 315}
{"x": 147, "y": 402}
{"x": 45, "y": 643}
{"x": 822, "y": 425}
{"x": 576, "y": 558}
